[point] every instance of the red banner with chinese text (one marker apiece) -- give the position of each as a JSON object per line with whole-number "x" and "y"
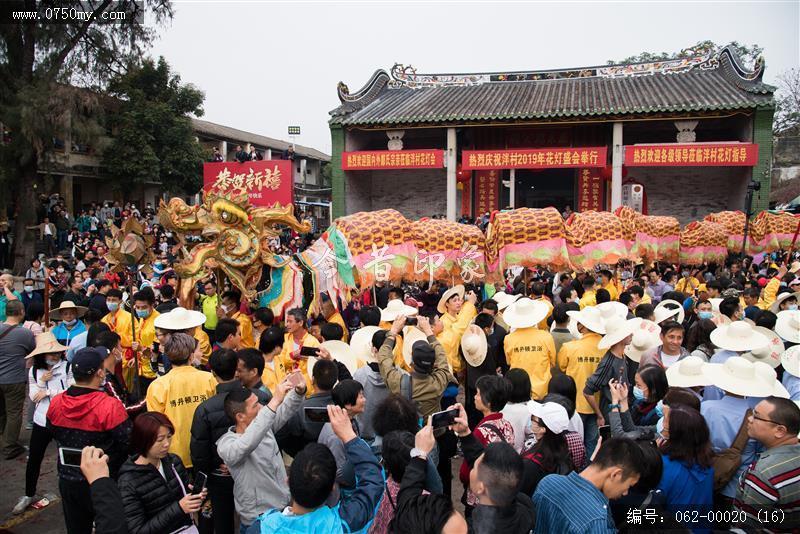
{"x": 392, "y": 159}
{"x": 534, "y": 158}
{"x": 266, "y": 182}
{"x": 590, "y": 190}
{"x": 487, "y": 195}
{"x": 692, "y": 154}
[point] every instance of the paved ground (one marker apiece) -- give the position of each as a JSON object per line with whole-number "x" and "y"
{"x": 49, "y": 519}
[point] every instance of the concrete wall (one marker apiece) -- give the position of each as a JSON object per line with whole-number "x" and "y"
{"x": 691, "y": 193}
{"x": 414, "y": 193}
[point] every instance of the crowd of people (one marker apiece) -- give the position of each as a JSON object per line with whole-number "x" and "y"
{"x": 615, "y": 399}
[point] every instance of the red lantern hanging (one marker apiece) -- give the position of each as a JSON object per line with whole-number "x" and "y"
{"x": 462, "y": 175}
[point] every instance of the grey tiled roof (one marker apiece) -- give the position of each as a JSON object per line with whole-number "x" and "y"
{"x": 218, "y": 131}
{"x": 716, "y": 82}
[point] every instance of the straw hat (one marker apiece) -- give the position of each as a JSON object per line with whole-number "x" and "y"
{"x": 361, "y": 344}
{"x": 590, "y": 317}
{"x": 738, "y": 337}
{"x": 504, "y": 300}
{"x": 688, "y": 373}
{"x": 788, "y": 325}
{"x": 80, "y": 311}
{"x": 499, "y": 320}
{"x": 395, "y": 308}
{"x": 474, "y": 345}
{"x": 613, "y": 307}
{"x": 340, "y": 351}
{"x": 663, "y": 313}
{"x": 456, "y": 290}
{"x": 769, "y": 353}
{"x": 179, "y": 319}
{"x": 794, "y": 267}
{"x": 525, "y": 313}
{"x": 774, "y": 308}
{"x": 617, "y": 329}
{"x": 411, "y": 335}
{"x": 646, "y": 336}
{"x": 791, "y": 360}
{"x": 46, "y": 343}
{"x": 743, "y": 377}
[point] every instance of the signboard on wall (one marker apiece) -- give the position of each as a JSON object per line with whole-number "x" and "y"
{"x": 487, "y": 195}
{"x": 534, "y": 158}
{"x": 692, "y": 154}
{"x": 392, "y": 159}
{"x": 266, "y": 182}
{"x": 590, "y": 190}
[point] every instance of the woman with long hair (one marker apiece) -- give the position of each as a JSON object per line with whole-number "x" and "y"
{"x": 153, "y": 483}
{"x": 650, "y": 386}
{"x": 698, "y": 340}
{"x": 550, "y": 453}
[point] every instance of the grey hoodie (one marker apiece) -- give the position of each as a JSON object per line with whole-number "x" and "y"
{"x": 255, "y": 462}
{"x": 375, "y": 391}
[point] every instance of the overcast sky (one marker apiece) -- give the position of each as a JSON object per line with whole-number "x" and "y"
{"x": 266, "y": 65}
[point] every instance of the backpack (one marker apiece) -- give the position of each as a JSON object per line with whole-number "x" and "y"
{"x": 728, "y": 461}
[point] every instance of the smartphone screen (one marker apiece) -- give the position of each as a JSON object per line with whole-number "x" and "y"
{"x": 445, "y": 418}
{"x": 308, "y": 351}
{"x": 411, "y": 321}
{"x": 199, "y": 483}
{"x": 605, "y": 432}
{"x": 317, "y": 415}
{"x": 69, "y": 456}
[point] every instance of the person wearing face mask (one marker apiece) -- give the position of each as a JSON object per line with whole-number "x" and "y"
{"x": 118, "y": 319}
{"x": 29, "y": 294}
{"x": 85, "y": 415}
{"x": 786, "y": 300}
{"x": 49, "y": 375}
{"x": 230, "y": 309}
{"x": 143, "y": 303}
{"x": 70, "y": 326}
{"x": 114, "y": 386}
{"x": 58, "y": 280}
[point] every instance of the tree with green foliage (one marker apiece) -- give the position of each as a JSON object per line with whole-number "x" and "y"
{"x": 153, "y": 135}
{"x": 51, "y": 80}
{"x": 748, "y": 54}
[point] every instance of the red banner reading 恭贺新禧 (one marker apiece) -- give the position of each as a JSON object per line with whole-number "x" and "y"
{"x": 266, "y": 182}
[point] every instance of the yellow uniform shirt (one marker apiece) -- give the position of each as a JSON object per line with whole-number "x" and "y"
{"x": 579, "y": 360}
{"x": 204, "y": 344}
{"x": 457, "y": 326}
{"x": 119, "y": 322}
{"x": 177, "y": 395}
{"x": 289, "y": 364}
{"x": 246, "y": 326}
{"x": 337, "y": 318}
{"x": 646, "y": 299}
{"x": 612, "y": 289}
{"x": 588, "y": 299}
{"x": 399, "y": 361}
{"x": 274, "y": 373}
{"x": 209, "y": 307}
{"x": 769, "y": 294}
{"x": 534, "y": 351}
{"x": 145, "y": 335}
{"x": 687, "y": 285}
{"x": 543, "y": 324}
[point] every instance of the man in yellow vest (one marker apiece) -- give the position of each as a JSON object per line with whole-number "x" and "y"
{"x": 143, "y": 306}
{"x": 332, "y": 315}
{"x": 609, "y": 283}
{"x": 296, "y": 338}
{"x": 579, "y": 360}
{"x": 457, "y": 313}
{"x": 393, "y": 309}
{"x": 230, "y": 309}
{"x": 589, "y": 297}
{"x": 529, "y": 347}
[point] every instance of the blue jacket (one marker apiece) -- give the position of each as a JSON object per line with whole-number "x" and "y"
{"x": 353, "y": 513}
{"x": 687, "y": 488}
{"x": 64, "y": 335}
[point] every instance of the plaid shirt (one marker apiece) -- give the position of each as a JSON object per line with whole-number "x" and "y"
{"x": 769, "y": 491}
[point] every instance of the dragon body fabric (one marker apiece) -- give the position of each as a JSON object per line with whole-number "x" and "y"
{"x": 227, "y": 234}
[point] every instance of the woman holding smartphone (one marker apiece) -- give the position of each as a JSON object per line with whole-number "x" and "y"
{"x": 48, "y": 376}
{"x": 153, "y": 483}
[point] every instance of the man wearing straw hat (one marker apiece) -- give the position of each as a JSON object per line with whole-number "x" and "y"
{"x": 70, "y": 326}
{"x": 579, "y": 359}
{"x": 457, "y": 312}
{"x": 734, "y": 339}
{"x": 528, "y": 347}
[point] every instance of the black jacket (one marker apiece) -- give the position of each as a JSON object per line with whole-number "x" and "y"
{"x": 299, "y": 431}
{"x": 209, "y": 424}
{"x": 150, "y": 501}
{"x": 109, "y": 514}
{"x": 519, "y": 517}
{"x": 98, "y": 302}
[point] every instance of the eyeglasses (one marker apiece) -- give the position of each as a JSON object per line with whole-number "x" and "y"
{"x": 754, "y": 416}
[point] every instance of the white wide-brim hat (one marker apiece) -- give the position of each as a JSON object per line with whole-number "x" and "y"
{"x": 590, "y": 317}
{"x": 411, "y": 334}
{"x": 664, "y": 312}
{"x": 788, "y": 325}
{"x": 646, "y": 336}
{"x": 361, "y": 344}
{"x": 525, "y": 313}
{"x": 688, "y": 373}
{"x": 572, "y": 326}
{"x": 474, "y": 345}
{"x": 769, "y": 353}
{"x": 504, "y": 300}
{"x": 615, "y": 307}
{"x": 743, "y": 377}
{"x": 791, "y": 360}
{"x": 179, "y": 319}
{"x": 80, "y": 311}
{"x": 774, "y": 308}
{"x": 456, "y": 290}
{"x": 738, "y": 336}
{"x": 340, "y": 351}
{"x": 715, "y": 302}
{"x": 396, "y": 308}
{"x": 617, "y": 329}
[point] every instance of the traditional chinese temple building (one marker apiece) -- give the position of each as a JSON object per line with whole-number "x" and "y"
{"x": 681, "y": 137}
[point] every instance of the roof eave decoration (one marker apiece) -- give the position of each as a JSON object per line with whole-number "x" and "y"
{"x": 362, "y": 97}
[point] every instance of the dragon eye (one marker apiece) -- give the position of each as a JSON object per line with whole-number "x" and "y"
{"x": 228, "y": 217}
